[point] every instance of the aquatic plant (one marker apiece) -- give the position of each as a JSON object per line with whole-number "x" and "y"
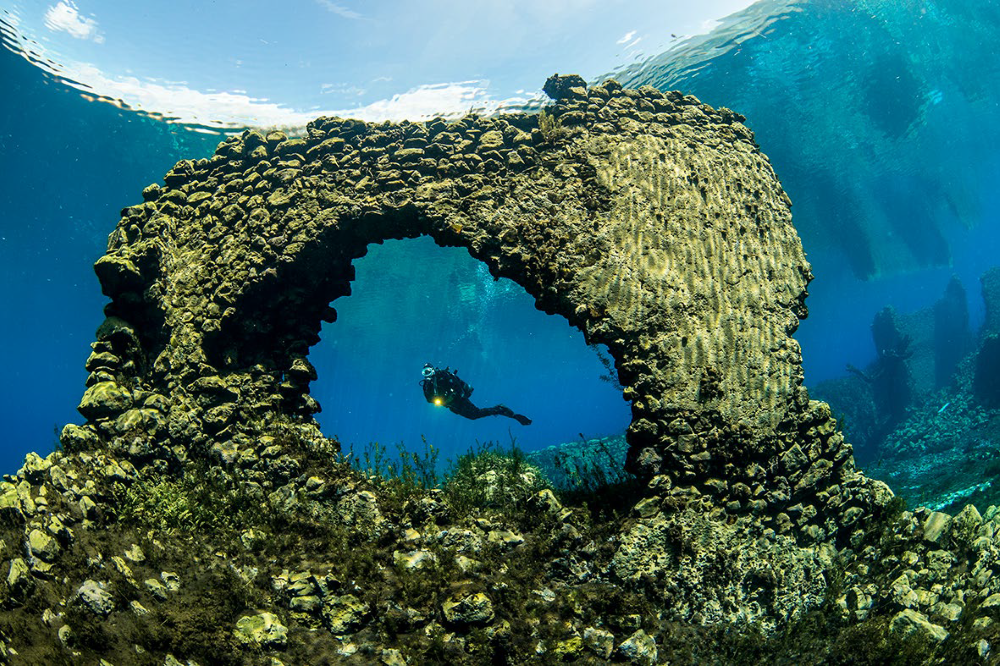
{"x": 489, "y": 476}
{"x": 410, "y": 468}
{"x": 188, "y": 503}
{"x": 610, "y": 374}
{"x": 550, "y": 126}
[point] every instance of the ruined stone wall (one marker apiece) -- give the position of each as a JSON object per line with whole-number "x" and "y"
{"x": 652, "y": 222}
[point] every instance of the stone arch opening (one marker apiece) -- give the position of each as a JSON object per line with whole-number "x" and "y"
{"x": 305, "y": 294}
{"x": 414, "y": 302}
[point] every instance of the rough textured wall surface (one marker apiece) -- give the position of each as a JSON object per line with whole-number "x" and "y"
{"x": 200, "y": 515}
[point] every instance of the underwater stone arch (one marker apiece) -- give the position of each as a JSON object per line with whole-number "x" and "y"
{"x": 650, "y": 221}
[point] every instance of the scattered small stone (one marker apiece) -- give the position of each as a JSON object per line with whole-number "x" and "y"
{"x": 469, "y": 609}
{"x": 263, "y": 630}
{"x": 135, "y": 554}
{"x": 639, "y": 648}
{"x": 909, "y": 621}
{"x": 43, "y": 546}
{"x": 392, "y": 657}
{"x": 600, "y": 641}
{"x": 156, "y": 588}
{"x": 935, "y": 526}
{"x": 343, "y": 614}
{"x": 95, "y": 597}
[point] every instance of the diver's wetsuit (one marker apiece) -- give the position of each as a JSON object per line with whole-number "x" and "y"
{"x": 443, "y": 387}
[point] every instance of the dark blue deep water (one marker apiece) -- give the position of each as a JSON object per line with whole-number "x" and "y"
{"x": 880, "y": 118}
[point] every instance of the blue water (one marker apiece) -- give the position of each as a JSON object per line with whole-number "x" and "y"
{"x": 67, "y": 167}
{"x": 413, "y": 303}
{"x": 879, "y": 118}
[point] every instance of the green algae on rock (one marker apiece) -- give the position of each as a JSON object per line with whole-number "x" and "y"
{"x": 651, "y": 222}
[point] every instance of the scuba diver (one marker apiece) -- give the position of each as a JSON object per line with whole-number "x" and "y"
{"x": 445, "y": 389}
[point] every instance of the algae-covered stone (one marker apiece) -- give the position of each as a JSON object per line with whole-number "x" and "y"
{"x": 19, "y": 579}
{"x": 302, "y": 370}
{"x": 78, "y": 438}
{"x": 361, "y": 510}
{"x": 171, "y": 580}
{"x": 10, "y": 506}
{"x": 935, "y": 526}
{"x": 569, "y": 649}
{"x": 148, "y": 421}
{"x": 263, "y": 630}
{"x": 392, "y": 657}
{"x": 43, "y": 545}
{"x": 88, "y": 507}
{"x": 505, "y": 538}
{"x": 343, "y": 614}
{"x": 491, "y": 140}
{"x": 117, "y": 275}
{"x": 291, "y": 146}
{"x": 118, "y": 331}
{"x": 104, "y": 399}
{"x": 114, "y": 471}
{"x": 24, "y": 495}
{"x": 59, "y": 478}
{"x": 305, "y": 604}
{"x": 951, "y": 612}
{"x": 468, "y": 609}
{"x": 992, "y": 601}
{"x": 156, "y": 588}
{"x": 546, "y": 500}
{"x": 94, "y": 596}
{"x": 639, "y": 648}
{"x": 409, "y": 154}
{"x": 416, "y": 559}
{"x": 600, "y": 641}
{"x": 909, "y": 622}
{"x": 134, "y": 554}
{"x": 35, "y": 467}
